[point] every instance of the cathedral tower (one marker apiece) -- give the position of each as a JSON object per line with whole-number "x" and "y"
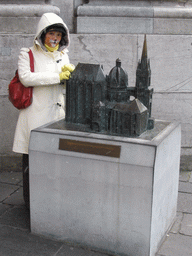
{"x": 117, "y": 84}
{"x": 143, "y": 79}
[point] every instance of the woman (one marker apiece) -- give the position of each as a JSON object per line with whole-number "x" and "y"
{"x": 51, "y": 66}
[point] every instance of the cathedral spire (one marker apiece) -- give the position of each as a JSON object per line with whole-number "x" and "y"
{"x": 143, "y": 73}
{"x": 144, "y": 53}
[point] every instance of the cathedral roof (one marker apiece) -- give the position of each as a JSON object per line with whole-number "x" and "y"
{"x": 135, "y": 107}
{"x": 90, "y": 72}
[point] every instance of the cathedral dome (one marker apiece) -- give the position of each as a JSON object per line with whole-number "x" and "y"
{"x": 118, "y": 78}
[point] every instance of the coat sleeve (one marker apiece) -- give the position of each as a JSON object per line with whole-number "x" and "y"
{"x": 29, "y": 78}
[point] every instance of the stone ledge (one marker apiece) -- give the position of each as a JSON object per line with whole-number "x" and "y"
{"x": 114, "y": 11}
{"x": 135, "y": 11}
{"x": 29, "y": 10}
{"x": 170, "y": 12}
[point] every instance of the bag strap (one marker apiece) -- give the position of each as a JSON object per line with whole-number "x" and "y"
{"x": 31, "y": 60}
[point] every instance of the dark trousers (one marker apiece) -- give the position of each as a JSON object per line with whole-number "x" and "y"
{"x": 25, "y": 168}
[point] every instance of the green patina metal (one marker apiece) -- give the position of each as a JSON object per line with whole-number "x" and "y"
{"x": 102, "y": 103}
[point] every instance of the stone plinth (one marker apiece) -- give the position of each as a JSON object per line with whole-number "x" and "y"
{"x": 113, "y": 193}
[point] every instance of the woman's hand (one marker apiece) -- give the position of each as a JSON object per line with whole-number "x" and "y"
{"x": 68, "y": 67}
{"x": 66, "y": 71}
{"x": 65, "y": 75}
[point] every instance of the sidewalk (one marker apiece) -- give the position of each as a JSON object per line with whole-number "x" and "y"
{"x": 16, "y": 239}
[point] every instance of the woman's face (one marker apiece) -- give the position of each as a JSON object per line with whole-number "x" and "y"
{"x": 52, "y": 38}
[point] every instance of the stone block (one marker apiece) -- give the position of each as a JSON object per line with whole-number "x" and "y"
{"x": 173, "y": 26}
{"x": 120, "y": 204}
{"x": 22, "y": 25}
{"x": 114, "y": 25}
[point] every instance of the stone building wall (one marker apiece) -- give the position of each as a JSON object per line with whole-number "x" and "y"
{"x": 168, "y": 25}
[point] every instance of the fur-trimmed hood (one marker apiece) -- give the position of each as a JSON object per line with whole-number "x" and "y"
{"x": 49, "y": 19}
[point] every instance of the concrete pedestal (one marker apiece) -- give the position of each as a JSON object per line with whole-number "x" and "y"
{"x": 113, "y": 193}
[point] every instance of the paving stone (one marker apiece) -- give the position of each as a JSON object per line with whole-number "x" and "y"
{"x": 4, "y": 208}
{"x": 176, "y": 245}
{"x": 190, "y": 179}
{"x": 186, "y": 225}
{"x": 17, "y": 217}
{"x": 185, "y": 187}
{"x": 184, "y": 175}
{"x": 6, "y": 190}
{"x": 186, "y": 163}
{"x": 16, "y": 198}
{"x": 184, "y": 203}
{"x": 10, "y": 163}
{"x": 15, "y": 242}
{"x": 177, "y": 224}
{"x": 11, "y": 177}
{"x": 71, "y": 251}
{"x": 20, "y": 183}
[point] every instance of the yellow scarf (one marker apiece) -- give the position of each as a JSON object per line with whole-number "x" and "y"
{"x": 51, "y": 49}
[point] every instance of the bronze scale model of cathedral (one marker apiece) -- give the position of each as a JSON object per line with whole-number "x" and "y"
{"x": 102, "y": 103}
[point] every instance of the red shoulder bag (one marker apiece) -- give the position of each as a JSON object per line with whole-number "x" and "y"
{"x": 19, "y": 95}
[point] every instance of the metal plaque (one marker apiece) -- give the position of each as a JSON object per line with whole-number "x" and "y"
{"x": 90, "y": 148}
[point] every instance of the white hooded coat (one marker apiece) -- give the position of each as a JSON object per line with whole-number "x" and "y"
{"x": 47, "y": 90}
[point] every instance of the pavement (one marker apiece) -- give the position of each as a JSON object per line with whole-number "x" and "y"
{"x": 16, "y": 239}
